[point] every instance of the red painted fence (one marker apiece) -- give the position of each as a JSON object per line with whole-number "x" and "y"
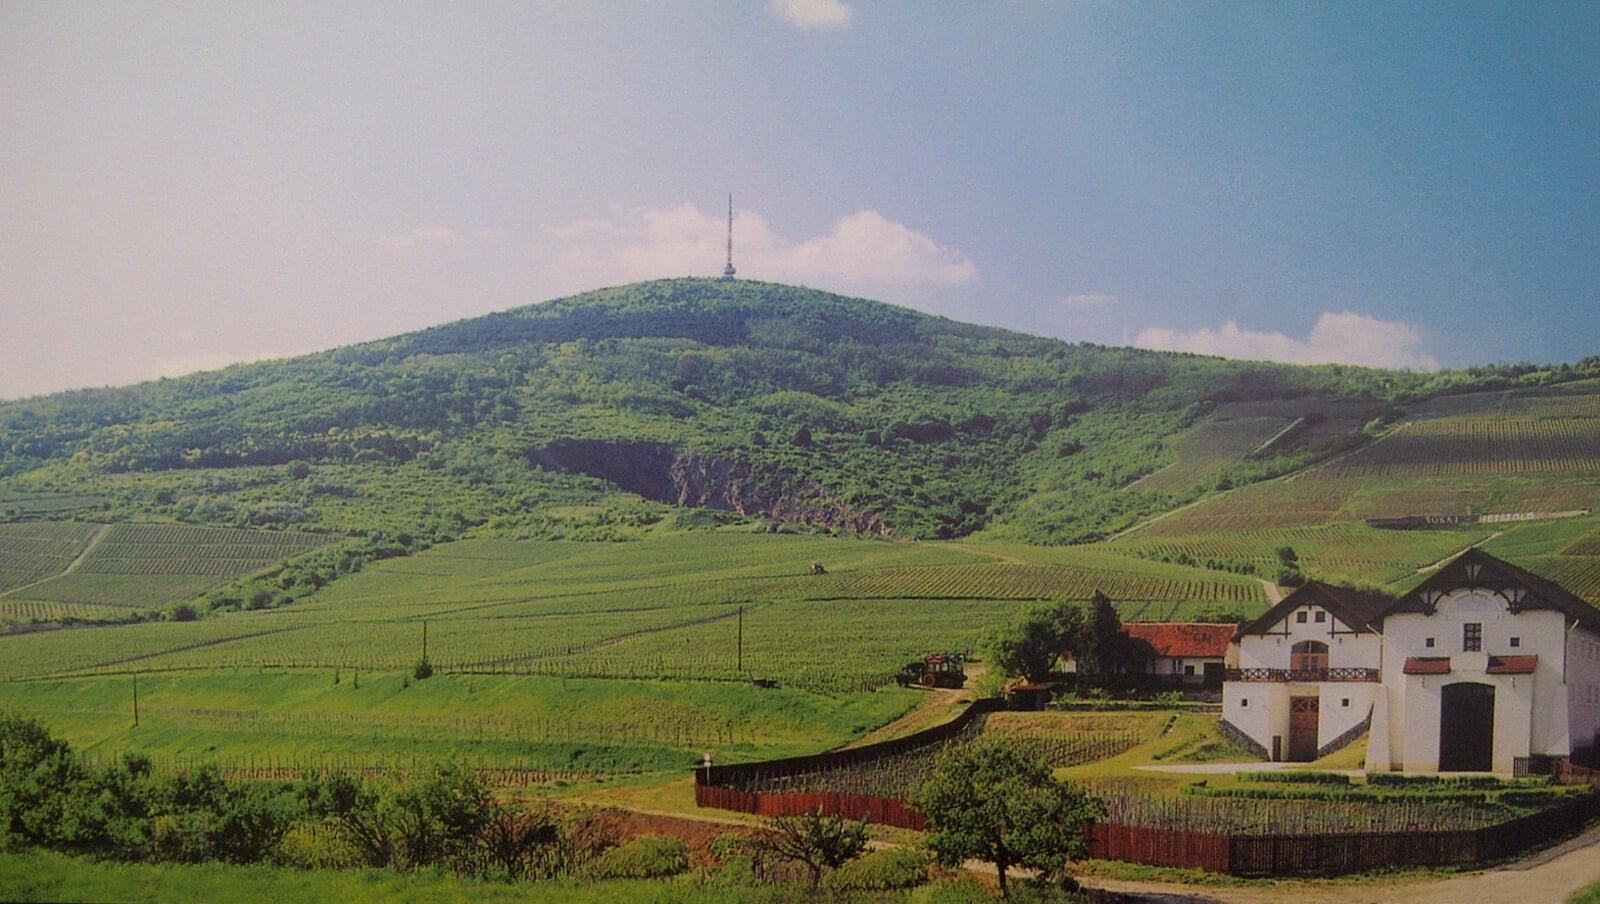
{"x": 879, "y": 810}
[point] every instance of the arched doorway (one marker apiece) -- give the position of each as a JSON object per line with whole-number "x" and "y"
{"x": 1466, "y": 727}
{"x": 1308, "y": 656}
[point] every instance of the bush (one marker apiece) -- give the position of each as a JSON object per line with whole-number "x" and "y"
{"x": 1309, "y": 778}
{"x": 423, "y": 670}
{"x": 645, "y": 857}
{"x": 884, "y": 870}
{"x": 316, "y": 845}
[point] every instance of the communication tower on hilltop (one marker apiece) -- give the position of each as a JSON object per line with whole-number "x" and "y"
{"x": 728, "y": 271}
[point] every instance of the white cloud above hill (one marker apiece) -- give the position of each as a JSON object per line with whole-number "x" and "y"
{"x": 861, "y": 251}
{"x": 813, "y": 14}
{"x": 1339, "y": 337}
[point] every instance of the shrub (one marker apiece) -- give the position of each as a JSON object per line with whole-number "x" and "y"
{"x": 316, "y": 845}
{"x": 1309, "y": 778}
{"x": 423, "y": 670}
{"x": 884, "y": 870}
{"x": 645, "y": 857}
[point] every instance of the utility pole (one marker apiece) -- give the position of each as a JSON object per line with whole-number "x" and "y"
{"x": 424, "y": 640}
{"x": 741, "y": 638}
{"x": 135, "y": 699}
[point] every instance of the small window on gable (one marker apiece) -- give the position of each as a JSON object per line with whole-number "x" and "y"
{"x": 1427, "y": 642}
{"x": 1322, "y": 617}
{"x": 1244, "y": 702}
{"x": 1516, "y": 641}
{"x": 1345, "y": 702}
{"x": 1472, "y": 637}
{"x": 1300, "y": 616}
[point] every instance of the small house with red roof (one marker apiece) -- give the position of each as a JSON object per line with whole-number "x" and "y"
{"x": 1185, "y": 653}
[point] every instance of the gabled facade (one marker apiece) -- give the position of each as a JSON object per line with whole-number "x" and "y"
{"x": 1307, "y": 674}
{"x": 1481, "y": 666}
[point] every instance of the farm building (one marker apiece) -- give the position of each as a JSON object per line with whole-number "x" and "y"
{"x": 1187, "y": 653}
{"x": 1482, "y": 667}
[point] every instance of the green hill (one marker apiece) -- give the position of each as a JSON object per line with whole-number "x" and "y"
{"x": 597, "y": 416}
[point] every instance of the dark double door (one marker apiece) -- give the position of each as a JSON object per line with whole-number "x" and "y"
{"x": 1466, "y": 728}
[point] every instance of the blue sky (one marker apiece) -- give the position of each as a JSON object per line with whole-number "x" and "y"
{"x": 1401, "y": 184}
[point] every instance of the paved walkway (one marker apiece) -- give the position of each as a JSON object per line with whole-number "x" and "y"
{"x": 1230, "y": 768}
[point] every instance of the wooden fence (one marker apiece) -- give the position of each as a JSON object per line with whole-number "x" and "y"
{"x": 1327, "y": 854}
{"x": 1332, "y": 854}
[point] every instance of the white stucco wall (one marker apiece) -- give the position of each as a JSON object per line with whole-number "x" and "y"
{"x": 1531, "y": 711}
{"x": 1583, "y": 687}
{"x": 1260, "y": 709}
{"x": 1342, "y": 705}
{"x": 1345, "y": 650}
{"x": 1513, "y": 718}
{"x": 1173, "y": 665}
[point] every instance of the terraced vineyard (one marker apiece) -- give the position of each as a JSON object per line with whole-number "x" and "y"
{"x": 33, "y": 551}
{"x": 218, "y": 552}
{"x": 1204, "y": 450}
{"x": 1002, "y": 581}
{"x": 1348, "y": 551}
{"x": 134, "y": 566}
{"x": 1474, "y": 445}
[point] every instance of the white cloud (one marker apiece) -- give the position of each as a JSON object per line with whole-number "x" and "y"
{"x": 1339, "y": 337}
{"x": 1087, "y": 300}
{"x": 813, "y": 14}
{"x": 179, "y": 365}
{"x": 862, "y": 251}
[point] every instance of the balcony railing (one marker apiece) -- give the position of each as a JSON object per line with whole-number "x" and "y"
{"x": 1308, "y": 675}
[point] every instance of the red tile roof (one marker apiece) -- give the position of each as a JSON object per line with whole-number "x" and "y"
{"x": 1189, "y": 640}
{"x": 1513, "y": 665}
{"x": 1427, "y": 665}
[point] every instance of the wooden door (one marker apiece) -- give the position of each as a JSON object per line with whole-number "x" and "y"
{"x": 1303, "y": 713}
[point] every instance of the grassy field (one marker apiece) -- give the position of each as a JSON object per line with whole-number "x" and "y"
{"x": 576, "y": 726}
{"x": 668, "y": 607}
{"x": 54, "y": 877}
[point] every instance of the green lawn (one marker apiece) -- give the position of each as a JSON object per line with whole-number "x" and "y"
{"x": 54, "y": 877}
{"x": 576, "y": 725}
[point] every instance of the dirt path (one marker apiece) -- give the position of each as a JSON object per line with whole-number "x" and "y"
{"x": 1274, "y": 592}
{"x": 1005, "y": 557}
{"x": 937, "y": 708}
{"x": 99, "y": 534}
{"x": 1548, "y": 877}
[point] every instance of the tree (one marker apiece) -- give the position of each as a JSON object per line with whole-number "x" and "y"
{"x": 1108, "y": 648}
{"x": 992, "y": 800}
{"x": 1030, "y": 645}
{"x": 815, "y": 840}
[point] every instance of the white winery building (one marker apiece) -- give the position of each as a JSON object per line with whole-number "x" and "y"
{"x": 1482, "y": 667}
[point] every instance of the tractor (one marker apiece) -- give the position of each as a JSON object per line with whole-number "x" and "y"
{"x": 935, "y": 670}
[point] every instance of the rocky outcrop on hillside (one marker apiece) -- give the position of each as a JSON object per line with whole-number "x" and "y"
{"x": 690, "y": 478}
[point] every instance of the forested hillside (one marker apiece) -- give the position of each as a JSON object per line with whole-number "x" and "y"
{"x": 590, "y": 417}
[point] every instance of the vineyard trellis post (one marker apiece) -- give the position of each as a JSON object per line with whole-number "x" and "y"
{"x": 135, "y": 699}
